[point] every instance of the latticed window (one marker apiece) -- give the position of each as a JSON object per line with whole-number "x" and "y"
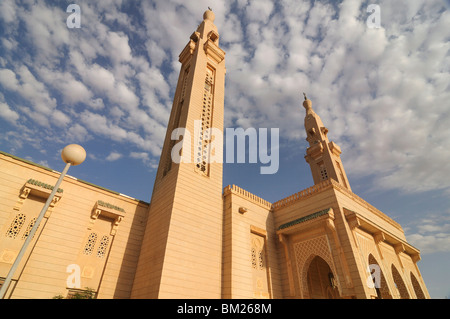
{"x": 323, "y": 173}
{"x": 254, "y": 258}
{"x": 16, "y": 226}
{"x": 202, "y": 152}
{"x": 102, "y": 246}
{"x": 259, "y": 266}
{"x": 29, "y": 227}
{"x": 90, "y": 244}
{"x": 261, "y": 260}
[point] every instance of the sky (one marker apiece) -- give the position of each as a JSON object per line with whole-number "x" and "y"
{"x": 381, "y": 89}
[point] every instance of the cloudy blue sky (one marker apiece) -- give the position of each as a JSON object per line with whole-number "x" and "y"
{"x": 382, "y": 92}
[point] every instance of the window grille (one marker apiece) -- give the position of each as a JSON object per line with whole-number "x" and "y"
{"x": 29, "y": 227}
{"x": 16, "y": 226}
{"x": 90, "y": 244}
{"x": 102, "y": 246}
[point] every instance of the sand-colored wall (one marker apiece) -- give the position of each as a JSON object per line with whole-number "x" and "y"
{"x": 246, "y": 215}
{"x": 62, "y": 236}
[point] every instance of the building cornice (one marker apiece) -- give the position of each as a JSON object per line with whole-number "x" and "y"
{"x": 233, "y": 189}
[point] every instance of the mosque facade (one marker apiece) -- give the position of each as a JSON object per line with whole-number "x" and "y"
{"x": 196, "y": 239}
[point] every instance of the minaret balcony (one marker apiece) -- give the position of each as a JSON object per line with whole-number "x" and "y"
{"x": 213, "y": 51}
{"x": 334, "y": 148}
{"x": 315, "y": 151}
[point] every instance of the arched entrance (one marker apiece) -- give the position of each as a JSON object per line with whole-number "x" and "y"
{"x": 321, "y": 280}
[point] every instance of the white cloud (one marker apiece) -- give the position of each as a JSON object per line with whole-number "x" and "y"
{"x": 8, "y": 11}
{"x": 259, "y": 10}
{"x": 432, "y": 234}
{"x": 380, "y": 93}
{"x": 113, "y": 156}
{"x": 60, "y": 119}
{"x": 77, "y": 133}
{"x": 7, "y": 113}
{"x": 383, "y": 93}
{"x": 145, "y": 158}
{"x": 8, "y": 79}
{"x": 118, "y": 45}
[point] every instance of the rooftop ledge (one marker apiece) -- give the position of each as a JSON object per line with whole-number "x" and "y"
{"x": 233, "y": 189}
{"x": 306, "y": 193}
{"x": 74, "y": 178}
{"x": 328, "y": 184}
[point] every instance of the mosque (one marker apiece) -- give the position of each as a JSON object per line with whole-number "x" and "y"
{"x": 196, "y": 239}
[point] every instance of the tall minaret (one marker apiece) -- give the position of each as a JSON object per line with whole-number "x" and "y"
{"x": 322, "y": 155}
{"x": 181, "y": 250}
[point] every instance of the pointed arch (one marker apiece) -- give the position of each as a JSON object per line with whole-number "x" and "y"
{"x": 380, "y": 283}
{"x": 399, "y": 283}
{"x": 321, "y": 280}
{"x": 305, "y": 252}
{"x": 416, "y": 286}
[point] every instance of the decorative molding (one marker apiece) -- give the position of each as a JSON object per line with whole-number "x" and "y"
{"x": 243, "y": 210}
{"x": 39, "y": 189}
{"x": 379, "y": 234}
{"x": 43, "y": 185}
{"x": 334, "y": 148}
{"x": 258, "y": 231}
{"x": 328, "y": 212}
{"x": 314, "y": 151}
{"x": 109, "y": 211}
{"x": 108, "y": 205}
{"x": 189, "y": 48}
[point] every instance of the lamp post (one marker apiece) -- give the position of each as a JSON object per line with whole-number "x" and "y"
{"x": 72, "y": 154}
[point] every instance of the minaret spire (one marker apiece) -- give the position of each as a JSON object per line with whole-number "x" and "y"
{"x": 322, "y": 155}
{"x": 187, "y": 193}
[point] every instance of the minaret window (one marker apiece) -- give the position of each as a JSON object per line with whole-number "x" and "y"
{"x": 176, "y": 122}
{"x": 213, "y": 36}
{"x": 203, "y": 147}
{"x": 323, "y": 172}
